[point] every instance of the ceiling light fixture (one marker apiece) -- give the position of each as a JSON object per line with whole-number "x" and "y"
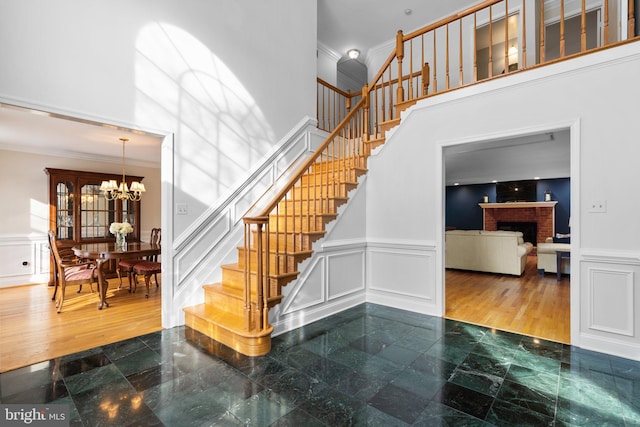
{"x": 408, "y": 12}
{"x": 353, "y": 53}
{"x": 113, "y": 191}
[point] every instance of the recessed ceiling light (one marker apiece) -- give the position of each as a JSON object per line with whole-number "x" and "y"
{"x": 353, "y": 53}
{"x": 456, "y": 183}
{"x": 494, "y": 181}
{"x": 536, "y": 177}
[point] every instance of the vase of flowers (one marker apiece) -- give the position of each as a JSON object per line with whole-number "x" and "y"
{"x": 120, "y": 230}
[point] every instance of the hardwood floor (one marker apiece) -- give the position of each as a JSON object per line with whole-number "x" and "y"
{"x": 532, "y": 304}
{"x": 32, "y": 331}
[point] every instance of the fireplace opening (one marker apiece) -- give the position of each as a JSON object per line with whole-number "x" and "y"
{"x": 529, "y": 229}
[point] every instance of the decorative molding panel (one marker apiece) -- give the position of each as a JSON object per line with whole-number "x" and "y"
{"x": 611, "y": 301}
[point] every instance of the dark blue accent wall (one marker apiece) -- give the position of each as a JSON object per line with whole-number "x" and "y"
{"x": 463, "y": 212}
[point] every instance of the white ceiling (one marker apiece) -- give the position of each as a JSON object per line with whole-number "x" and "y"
{"x": 342, "y": 24}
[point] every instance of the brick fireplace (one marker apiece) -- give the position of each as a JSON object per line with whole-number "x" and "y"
{"x": 540, "y": 213}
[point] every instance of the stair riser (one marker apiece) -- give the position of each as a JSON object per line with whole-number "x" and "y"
{"x": 281, "y": 263}
{"x": 340, "y": 164}
{"x": 331, "y": 177}
{"x": 318, "y": 192}
{"x": 236, "y": 278}
{"x": 299, "y": 223}
{"x": 223, "y": 301}
{"x": 290, "y": 242}
{"x": 329, "y": 206}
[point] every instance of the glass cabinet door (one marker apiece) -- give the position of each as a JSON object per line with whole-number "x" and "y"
{"x": 64, "y": 210}
{"x": 96, "y": 213}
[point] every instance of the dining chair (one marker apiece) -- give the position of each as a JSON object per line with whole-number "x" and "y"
{"x": 148, "y": 268}
{"x": 126, "y": 265}
{"x": 70, "y": 270}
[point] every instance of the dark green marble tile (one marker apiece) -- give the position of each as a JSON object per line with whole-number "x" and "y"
{"x": 589, "y": 393}
{"x": 536, "y": 362}
{"x": 570, "y": 412}
{"x": 540, "y": 347}
{"x": 439, "y": 415}
{"x": 261, "y": 409}
{"x": 30, "y": 377}
{"x": 477, "y": 380}
{"x": 487, "y": 364}
{"x": 87, "y": 363}
{"x": 464, "y": 400}
{"x": 498, "y": 352}
{"x": 399, "y": 403}
{"x": 123, "y": 348}
{"x": 507, "y": 414}
{"x": 138, "y": 361}
{"x": 504, "y": 339}
{"x": 400, "y": 356}
{"x": 43, "y": 393}
{"x": 114, "y": 403}
{"x": 418, "y": 382}
{"x": 533, "y": 379}
{"x": 451, "y": 354}
{"x": 93, "y": 378}
{"x": 434, "y": 366}
{"x": 333, "y": 408}
{"x": 297, "y": 418}
{"x": 542, "y": 402}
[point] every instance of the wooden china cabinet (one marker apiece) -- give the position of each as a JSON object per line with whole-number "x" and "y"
{"x": 79, "y": 212}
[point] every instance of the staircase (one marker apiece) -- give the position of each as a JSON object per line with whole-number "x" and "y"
{"x": 280, "y": 230}
{"x": 235, "y": 311}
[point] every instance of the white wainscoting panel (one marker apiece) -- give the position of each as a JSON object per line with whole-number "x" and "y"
{"x": 611, "y": 289}
{"x": 329, "y": 282}
{"x": 346, "y": 273}
{"x": 403, "y": 275}
{"x": 610, "y": 302}
{"x": 25, "y": 260}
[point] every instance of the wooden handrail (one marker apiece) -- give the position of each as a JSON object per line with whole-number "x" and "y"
{"x": 335, "y": 89}
{"x": 264, "y": 213}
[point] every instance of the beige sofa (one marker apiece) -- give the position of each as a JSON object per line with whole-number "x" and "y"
{"x": 489, "y": 251}
{"x": 547, "y": 259}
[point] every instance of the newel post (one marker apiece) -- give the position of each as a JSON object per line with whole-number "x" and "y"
{"x": 365, "y": 112}
{"x": 400, "y": 56}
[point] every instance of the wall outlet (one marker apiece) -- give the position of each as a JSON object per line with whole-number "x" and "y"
{"x": 182, "y": 209}
{"x": 598, "y": 206}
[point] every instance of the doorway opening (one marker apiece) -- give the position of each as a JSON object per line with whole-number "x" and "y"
{"x": 534, "y": 303}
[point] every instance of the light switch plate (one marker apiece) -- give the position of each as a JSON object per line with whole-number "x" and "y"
{"x": 598, "y": 206}
{"x": 182, "y": 209}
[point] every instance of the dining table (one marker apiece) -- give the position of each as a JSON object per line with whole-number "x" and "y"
{"x": 105, "y": 251}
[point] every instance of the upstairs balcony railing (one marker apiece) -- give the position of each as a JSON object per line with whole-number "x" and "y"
{"x": 491, "y": 40}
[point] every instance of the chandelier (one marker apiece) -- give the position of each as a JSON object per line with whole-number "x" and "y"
{"x": 113, "y": 191}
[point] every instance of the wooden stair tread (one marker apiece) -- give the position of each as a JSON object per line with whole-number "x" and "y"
{"x": 229, "y": 321}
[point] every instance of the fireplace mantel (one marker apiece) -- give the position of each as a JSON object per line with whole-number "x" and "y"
{"x": 511, "y": 205}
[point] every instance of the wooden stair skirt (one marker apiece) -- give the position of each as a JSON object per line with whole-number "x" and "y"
{"x": 299, "y": 220}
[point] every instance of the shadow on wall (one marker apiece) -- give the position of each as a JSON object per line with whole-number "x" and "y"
{"x": 220, "y": 132}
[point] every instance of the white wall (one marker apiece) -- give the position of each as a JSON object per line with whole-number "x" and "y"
{"x": 225, "y": 81}
{"x": 592, "y": 96}
{"x": 220, "y": 75}
{"x": 25, "y": 220}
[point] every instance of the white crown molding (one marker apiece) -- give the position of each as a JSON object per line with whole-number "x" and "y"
{"x": 326, "y": 50}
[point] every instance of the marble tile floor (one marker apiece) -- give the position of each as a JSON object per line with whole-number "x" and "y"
{"x": 369, "y": 365}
